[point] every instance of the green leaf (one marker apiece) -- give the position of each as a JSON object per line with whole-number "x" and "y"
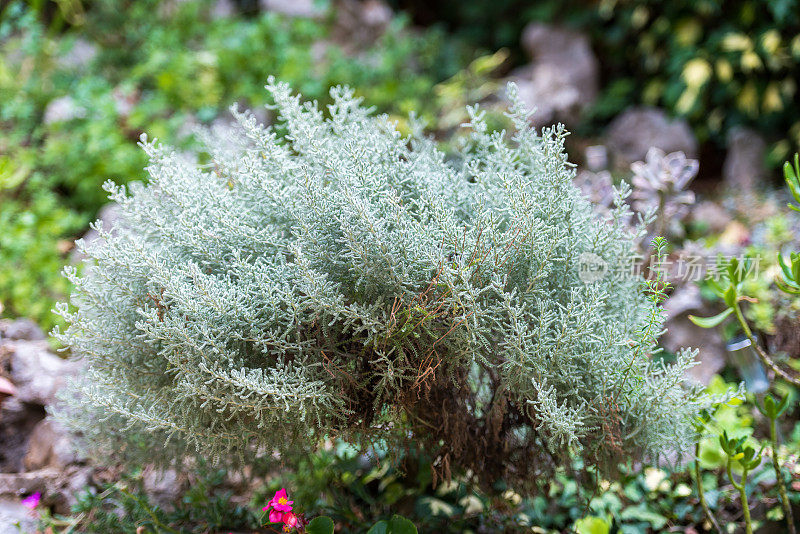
{"x": 592, "y": 525}
{"x": 381, "y": 527}
{"x": 787, "y": 271}
{"x": 734, "y": 272}
{"x": 788, "y": 173}
{"x": 716, "y": 287}
{"x": 12, "y": 173}
{"x": 730, "y": 296}
{"x": 782, "y": 406}
{"x": 768, "y": 408}
{"x": 786, "y": 288}
{"x": 710, "y": 322}
{"x": 400, "y": 525}
{"x": 795, "y": 269}
{"x": 792, "y": 177}
{"x": 321, "y": 525}
{"x": 641, "y": 513}
{"x": 396, "y": 525}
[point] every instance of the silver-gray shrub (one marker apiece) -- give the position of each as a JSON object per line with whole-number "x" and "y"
{"x": 336, "y": 278}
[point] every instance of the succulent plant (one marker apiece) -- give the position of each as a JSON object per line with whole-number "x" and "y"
{"x": 660, "y": 183}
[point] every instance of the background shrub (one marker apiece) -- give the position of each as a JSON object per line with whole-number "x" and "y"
{"x": 720, "y": 64}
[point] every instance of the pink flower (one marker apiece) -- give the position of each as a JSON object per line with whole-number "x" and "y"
{"x": 290, "y": 519}
{"x": 32, "y": 501}
{"x": 276, "y": 517}
{"x": 281, "y": 502}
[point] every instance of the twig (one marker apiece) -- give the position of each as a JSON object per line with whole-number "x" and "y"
{"x": 701, "y": 494}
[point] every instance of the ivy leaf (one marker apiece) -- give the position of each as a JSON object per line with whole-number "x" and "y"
{"x": 592, "y": 525}
{"x": 641, "y": 513}
{"x": 710, "y": 322}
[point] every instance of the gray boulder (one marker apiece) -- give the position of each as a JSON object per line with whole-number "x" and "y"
{"x": 562, "y": 80}
{"x": 50, "y": 445}
{"x": 19, "y": 484}
{"x": 635, "y": 131}
{"x": 744, "y": 168}
{"x": 681, "y": 332}
{"x": 37, "y": 373}
{"x": 358, "y": 25}
{"x": 293, "y": 8}
{"x": 16, "y": 518}
{"x": 710, "y": 214}
{"x": 21, "y": 329}
{"x": 17, "y": 422}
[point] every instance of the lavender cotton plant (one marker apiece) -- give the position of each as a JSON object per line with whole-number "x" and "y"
{"x": 341, "y": 279}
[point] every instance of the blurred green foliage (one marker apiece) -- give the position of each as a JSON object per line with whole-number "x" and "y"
{"x": 68, "y": 125}
{"x": 719, "y": 63}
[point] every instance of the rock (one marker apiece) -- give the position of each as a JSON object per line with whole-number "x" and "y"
{"x": 685, "y": 299}
{"x": 359, "y": 24}
{"x": 223, "y": 9}
{"x": 37, "y": 373}
{"x": 681, "y": 332}
{"x": 160, "y": 481}
{"x": 19, "y": 484}
{"x": 59, "y": 487}
{"x": 80, "y": 55}
{"x": 62, "y": 109}
{"x": 562, "y": 80}
{"x": 744, "y": 166}
{"x": 74, "y": 480}
{"x": 24, "y": 329}
{"x": 376, "y": 13}
{"x": 293, "y": 8}
{"x": 7, "y": 389}
{"x": 50, "y": 445}
{"x": 16, "y": 518}
{"x": 787, "y": 333}
{"x": 711, "y": 357}
{"x": 711, "y": 215}
{"x": 596, "y": 157}
{"x": 635, "y": 131}
{"x": 17, "y": 422}
{"x": 161, "y": 485}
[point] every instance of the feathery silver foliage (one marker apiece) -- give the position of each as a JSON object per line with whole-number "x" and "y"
{"x": 335, "y": 278}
